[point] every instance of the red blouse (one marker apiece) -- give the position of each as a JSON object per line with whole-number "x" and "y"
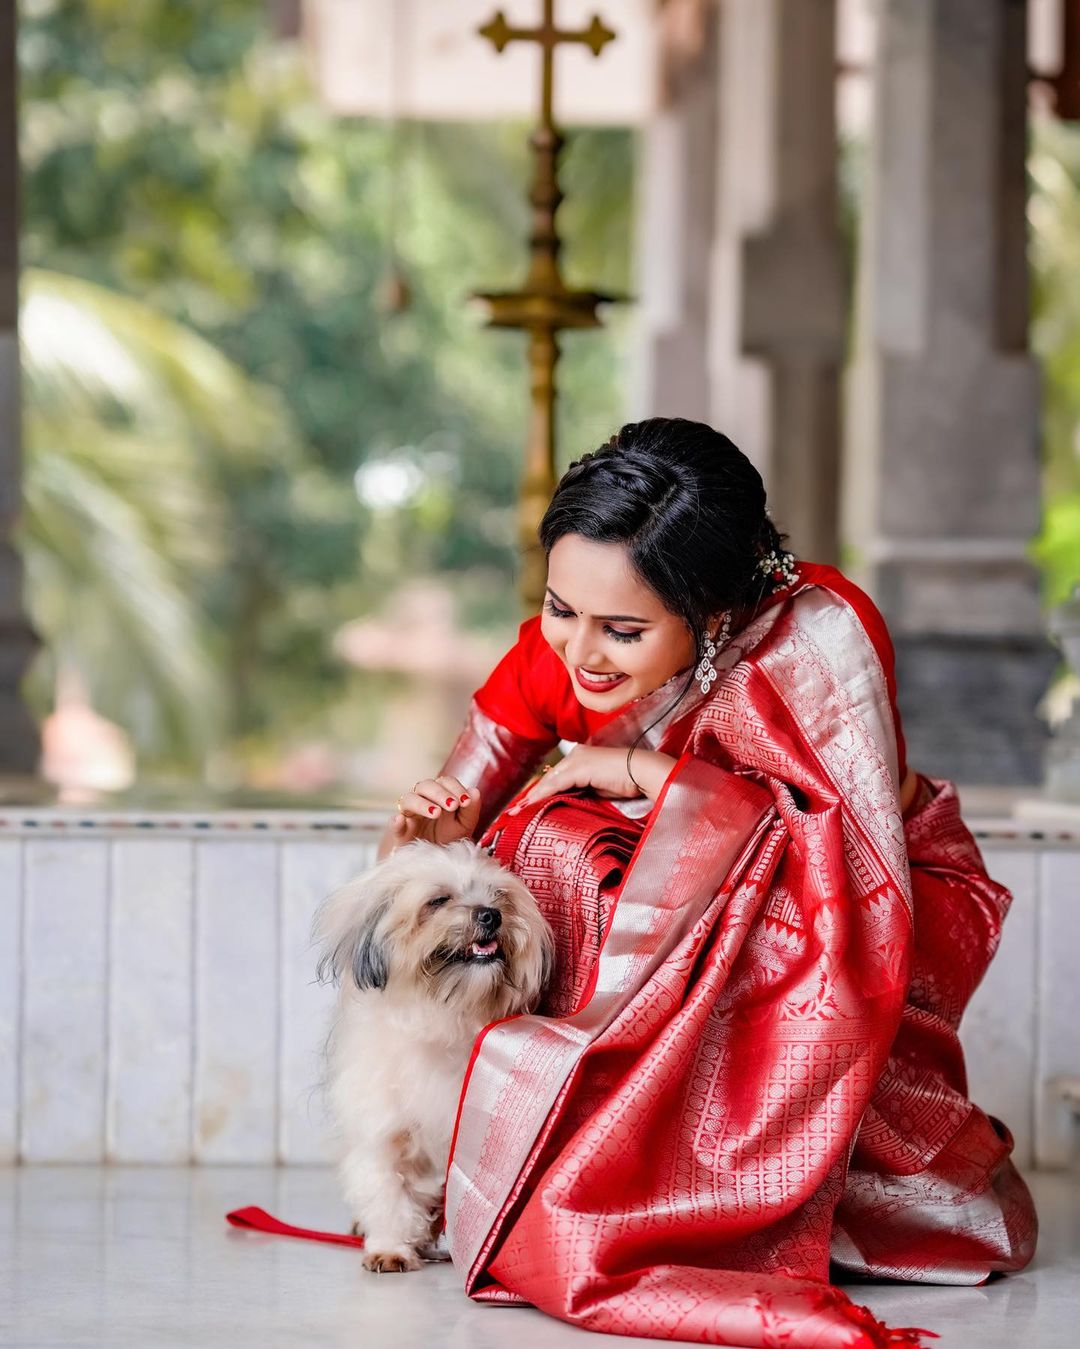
{"x": 531, "y": 693}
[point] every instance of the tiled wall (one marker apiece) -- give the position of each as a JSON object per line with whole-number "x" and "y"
{"x": 157, "y": 994}
{"x": 1022, "y": 1029}
{"x": 158, "y": 1003}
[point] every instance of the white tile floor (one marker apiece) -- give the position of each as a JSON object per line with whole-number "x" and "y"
{"x": 122, "y": 1257}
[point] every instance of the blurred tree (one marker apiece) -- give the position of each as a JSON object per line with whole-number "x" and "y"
{"x": 1054, "y": 215}
{"x": 176, "y": 154}
{"x": 141, "y": 577}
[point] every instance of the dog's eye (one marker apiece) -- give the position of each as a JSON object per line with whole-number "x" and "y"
{"x": 438, "y": 901}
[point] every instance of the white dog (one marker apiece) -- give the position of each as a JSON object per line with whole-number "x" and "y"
{"x": 427, "y": 948}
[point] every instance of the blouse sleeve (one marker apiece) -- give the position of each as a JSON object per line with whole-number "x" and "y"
{"x": 508, "y": 731}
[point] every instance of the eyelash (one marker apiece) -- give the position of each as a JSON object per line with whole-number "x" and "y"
{"x": 549, "y": 608}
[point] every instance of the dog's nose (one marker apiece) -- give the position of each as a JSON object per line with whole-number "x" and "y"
{"x": 488, "y": 919}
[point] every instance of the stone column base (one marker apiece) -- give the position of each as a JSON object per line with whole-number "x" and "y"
{"x": 968, "y": 706}
{"x": 20, "y": 747}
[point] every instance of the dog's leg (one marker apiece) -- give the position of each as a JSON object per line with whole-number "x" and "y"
{"x": 393, "y": 1223}
{"x": 427, "y": 1186}
{"x": 434, "y": 1247}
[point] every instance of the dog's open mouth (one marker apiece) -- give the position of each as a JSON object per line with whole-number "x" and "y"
{"x": 485, "y": 952}
{"x": 482, "y": 952}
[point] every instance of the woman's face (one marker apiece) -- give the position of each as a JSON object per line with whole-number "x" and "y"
{"x": 607, "y": 627}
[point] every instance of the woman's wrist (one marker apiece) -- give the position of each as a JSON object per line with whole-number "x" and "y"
{"x": 650, "y": 770}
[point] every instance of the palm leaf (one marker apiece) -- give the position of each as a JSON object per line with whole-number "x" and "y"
{"x": 132, "y": 424}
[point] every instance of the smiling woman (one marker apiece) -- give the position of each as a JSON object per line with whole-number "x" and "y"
{"x": 631, "y": 646}
{"x": 763, "y": 942}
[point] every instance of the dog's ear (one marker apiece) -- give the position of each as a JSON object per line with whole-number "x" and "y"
{"x": 346, "y": 927}
{"x": 369, "y": 954}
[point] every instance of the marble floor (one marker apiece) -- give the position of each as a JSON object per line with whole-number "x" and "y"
{"x": 119, "y": 1257}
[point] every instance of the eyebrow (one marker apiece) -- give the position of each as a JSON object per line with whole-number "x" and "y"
{"x": 607, "y": 618}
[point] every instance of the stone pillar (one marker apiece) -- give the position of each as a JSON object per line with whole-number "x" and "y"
{"x": 676, "y": 214}
{"x": 18, "y": 737}
{"x": 778, "y": 287}
{"x": 942, "y": 471}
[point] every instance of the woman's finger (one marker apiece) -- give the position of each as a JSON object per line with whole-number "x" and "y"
{"x": 469, "y": 809}
{"x": 456, "y": 795}
{"x": 403, "y": 829}
{"x": 419, "y": 806}
{"x": 436, "y": 794}
{"x": 557, "y": 780}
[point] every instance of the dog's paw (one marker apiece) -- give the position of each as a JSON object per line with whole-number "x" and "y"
{"x": 391, "y": 1262}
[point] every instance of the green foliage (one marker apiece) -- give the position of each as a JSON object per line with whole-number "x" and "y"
{"x": 140, "y": 575}
{"x": 1054, "y": 215}
{"x": 176, "y": 154}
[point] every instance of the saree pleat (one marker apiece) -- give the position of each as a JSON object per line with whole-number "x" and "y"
{"x": 572, "y": 854}
{"x": 748, "y": 1064}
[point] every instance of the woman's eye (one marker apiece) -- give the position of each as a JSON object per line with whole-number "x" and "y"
{"x": 438, "y": 901}
{"x": 553, "y": 609}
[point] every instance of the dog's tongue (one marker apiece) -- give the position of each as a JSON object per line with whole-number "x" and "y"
{"x": 487, "y": 948}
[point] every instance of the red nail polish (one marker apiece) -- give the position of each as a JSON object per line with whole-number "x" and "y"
{"x": 433, "y": 810}
{"x": 449, "y": 800}
{"x": 464, "y": 799}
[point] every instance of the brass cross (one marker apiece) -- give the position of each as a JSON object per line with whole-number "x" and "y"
{"x": 544, "y": 305}
{"x": 500, "y": 34}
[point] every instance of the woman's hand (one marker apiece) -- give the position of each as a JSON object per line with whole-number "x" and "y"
{"x": 604, "y": 770}
{"x": 441, "y": 810}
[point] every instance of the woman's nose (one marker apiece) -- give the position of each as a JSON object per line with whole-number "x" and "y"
{"x": 581, "y": 649}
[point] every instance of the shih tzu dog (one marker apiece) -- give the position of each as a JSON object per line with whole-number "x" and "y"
{"x": 426, "y": 949}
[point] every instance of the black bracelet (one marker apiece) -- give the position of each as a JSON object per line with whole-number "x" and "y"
{"x": 630, "y": 775}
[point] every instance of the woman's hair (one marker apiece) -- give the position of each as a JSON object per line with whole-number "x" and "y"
{"x": 688, "y": 505}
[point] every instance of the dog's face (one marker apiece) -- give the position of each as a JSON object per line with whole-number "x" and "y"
{"x": 446, "y": 924}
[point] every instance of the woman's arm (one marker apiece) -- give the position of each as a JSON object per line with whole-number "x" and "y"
{"x": 604, "y": 769}
{"x": 488, "y": 762}
{"x": 908, "y": 788}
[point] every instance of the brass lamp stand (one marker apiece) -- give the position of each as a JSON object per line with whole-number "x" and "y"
{"x": 544, "y": 305}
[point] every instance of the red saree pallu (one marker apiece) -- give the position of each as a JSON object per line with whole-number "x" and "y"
{"x": 747, "y": 1065}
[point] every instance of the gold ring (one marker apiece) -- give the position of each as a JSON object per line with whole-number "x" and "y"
{"x": 546, "y": 768}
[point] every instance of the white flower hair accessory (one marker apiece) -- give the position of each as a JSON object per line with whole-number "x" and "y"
{"x": 778, "y": 566}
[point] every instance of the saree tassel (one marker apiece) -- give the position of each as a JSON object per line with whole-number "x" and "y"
{"x": 877, "y": 1335}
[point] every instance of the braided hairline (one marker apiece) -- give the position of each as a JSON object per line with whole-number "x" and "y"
{"x": 614, "y": 458}
{"x": 769, "y": 538}
{"x": 607, "y": 458}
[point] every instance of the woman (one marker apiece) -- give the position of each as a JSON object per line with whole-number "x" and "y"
{"x": 747, "y": 1068}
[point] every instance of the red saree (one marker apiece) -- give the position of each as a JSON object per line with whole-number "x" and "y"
{"x": 747, "y": 1067}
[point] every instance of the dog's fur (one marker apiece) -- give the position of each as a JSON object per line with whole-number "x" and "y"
{"x": 427, "y": 948}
